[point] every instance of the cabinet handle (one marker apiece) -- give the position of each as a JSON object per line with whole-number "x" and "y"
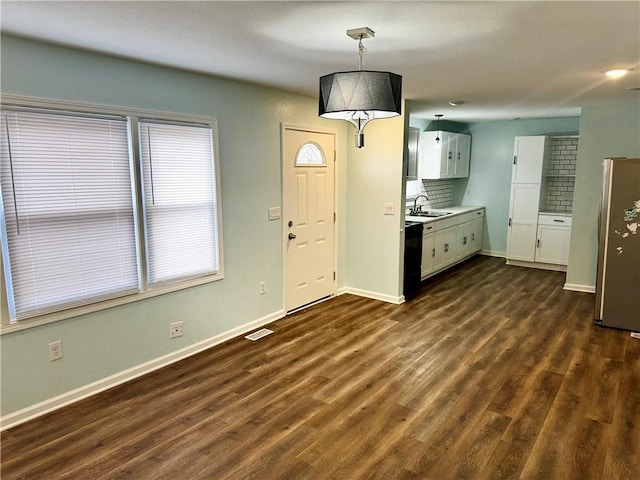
{"x": 558, "y": 220}
{"x": 514, "y": 159}
{"x": 433, "y": 254}
{"x": 538, "y": 243}
{"x": 446, "y": 247}
{"x": 450, "y": 155}
{"x": 464, "y": 240}
{"x": 458, "y": 155}
{"x": 473, "y": 237}
{"x": 429, "y": 228}
{"x": 509, "y": 221}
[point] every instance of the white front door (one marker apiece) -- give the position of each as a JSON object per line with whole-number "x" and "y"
{"x": 308, "y": 215}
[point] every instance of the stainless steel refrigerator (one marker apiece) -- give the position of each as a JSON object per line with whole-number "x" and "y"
{"x": 618, "y": 279}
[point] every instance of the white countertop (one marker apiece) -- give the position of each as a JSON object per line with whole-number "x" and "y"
{"x": 556, "y": 214}
{"x": 451, "y": 210}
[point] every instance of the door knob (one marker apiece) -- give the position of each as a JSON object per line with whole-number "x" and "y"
{"x": 292, "y": 236}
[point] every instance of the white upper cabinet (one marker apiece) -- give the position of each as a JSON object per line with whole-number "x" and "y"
{"x": 528, "y": 158}
{"x": 463, "y": 152}
{"x": 447, "y": 158}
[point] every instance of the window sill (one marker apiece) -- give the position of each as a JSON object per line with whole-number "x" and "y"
{"x": 19, "y": 325}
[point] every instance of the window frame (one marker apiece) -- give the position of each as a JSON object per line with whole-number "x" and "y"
{"x": 133, "y": 114}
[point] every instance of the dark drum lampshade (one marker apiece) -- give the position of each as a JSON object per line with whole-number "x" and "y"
{"x": 359, "y": 97}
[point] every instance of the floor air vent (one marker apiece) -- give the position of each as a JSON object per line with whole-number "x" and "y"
{"x": 259, "y": 334}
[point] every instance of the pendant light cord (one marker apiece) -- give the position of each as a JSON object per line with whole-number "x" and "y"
{"x": 361, "y": 52}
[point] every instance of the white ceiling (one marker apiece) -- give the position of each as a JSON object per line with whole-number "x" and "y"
{"x": 505, "y": 59}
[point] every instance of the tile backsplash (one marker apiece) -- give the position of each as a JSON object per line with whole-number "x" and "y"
{"x": 439, "y": 192}
{"x": 560, "y": 175}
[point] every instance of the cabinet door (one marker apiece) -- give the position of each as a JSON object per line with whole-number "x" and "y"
{"x": 428, "y": 254}
{"x": 463, "y": 237}
{"x": 553, "y": 244}
{"x": 413, "y": 154}
{"x": 477, "y": 230}
{"x": 528, "y": 157}
{"x": 448, "y": 154}
{"x": 463, "y": 152}
{"x": 523, "y": 222}
{"x": 436, "y": 158}
{"x": 430, "y": 162}
{"x": 450, "y": 236}
{"x": 445, "y": 245}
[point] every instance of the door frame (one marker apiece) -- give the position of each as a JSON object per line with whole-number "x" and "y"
{"x": 283, "y": 214}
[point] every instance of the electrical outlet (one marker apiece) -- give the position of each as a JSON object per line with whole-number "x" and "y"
{"x": 55, "y": 350}
{"x": 176, "y": 329}
{"x": 263, "y": 287}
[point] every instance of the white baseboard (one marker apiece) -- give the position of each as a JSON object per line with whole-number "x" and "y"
{"x": 373, "y": 295}
{"x": 580, "y": 288}
{"x": 493, "y": 253}
{"x": 67, "y": 398}
{"x": 541, "y": 266}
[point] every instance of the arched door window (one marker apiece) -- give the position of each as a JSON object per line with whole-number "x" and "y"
{"x": 310, "y": 155}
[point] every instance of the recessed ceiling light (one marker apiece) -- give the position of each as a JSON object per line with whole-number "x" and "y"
{"x": 616, "y": 73}
{"x": 457, "y": 103}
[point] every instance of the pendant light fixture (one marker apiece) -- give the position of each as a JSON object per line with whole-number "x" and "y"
{"x": 362, "y": 95}
{"x": 438, "y": 116}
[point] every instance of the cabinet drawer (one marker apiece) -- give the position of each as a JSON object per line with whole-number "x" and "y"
{"x": 469, "y": 216}
{"x": 428, "y": 228}
{"x": 557, "y": 220}
{"x": 446, "y": 223}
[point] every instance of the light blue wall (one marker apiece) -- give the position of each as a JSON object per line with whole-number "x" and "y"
{"x": 489, "y": 181}
{"x": 107, "y": 342}
{"x": 607, "y": 131}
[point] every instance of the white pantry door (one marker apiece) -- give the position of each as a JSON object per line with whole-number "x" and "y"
{"x": 309, "y": 161}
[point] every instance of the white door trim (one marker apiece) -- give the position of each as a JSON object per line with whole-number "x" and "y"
{"x": 306, "y": 128}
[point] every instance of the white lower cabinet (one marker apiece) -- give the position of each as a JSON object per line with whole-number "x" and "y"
{"x": 445, "y": 245}
{"x": 523, "y": 222}
{"x": 428, "y": 251}
{"x": 554, "y": 235}
{"x": 463, "y": 236}
{"x": 450, "y": 240}
{"x": 477, "y": 231}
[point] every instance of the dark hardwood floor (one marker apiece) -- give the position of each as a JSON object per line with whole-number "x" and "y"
{"x": 491, "y": 372}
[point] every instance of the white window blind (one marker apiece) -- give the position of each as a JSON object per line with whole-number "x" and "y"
{"x": 180, "y": 211}
{"x": 69, "y": 219}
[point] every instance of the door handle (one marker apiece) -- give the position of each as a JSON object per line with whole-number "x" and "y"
{"x": 292, "y": 236}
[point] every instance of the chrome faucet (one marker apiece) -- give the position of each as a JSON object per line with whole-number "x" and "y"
{"x": 417, "y": 208}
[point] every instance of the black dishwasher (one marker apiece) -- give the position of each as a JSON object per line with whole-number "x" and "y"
{"x": 412, "y": 257}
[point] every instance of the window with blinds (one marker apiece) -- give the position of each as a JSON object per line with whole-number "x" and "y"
{"x": 69, "y": 218}
{"x": 74, "y": 232}
{"x": 178, "y": 179}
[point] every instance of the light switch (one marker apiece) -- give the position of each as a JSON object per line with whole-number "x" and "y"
{"x": 388, "y": 209}
{"x": 274, "y": 213}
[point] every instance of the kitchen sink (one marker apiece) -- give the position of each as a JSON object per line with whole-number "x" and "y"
{"x": 430, "y": 213}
